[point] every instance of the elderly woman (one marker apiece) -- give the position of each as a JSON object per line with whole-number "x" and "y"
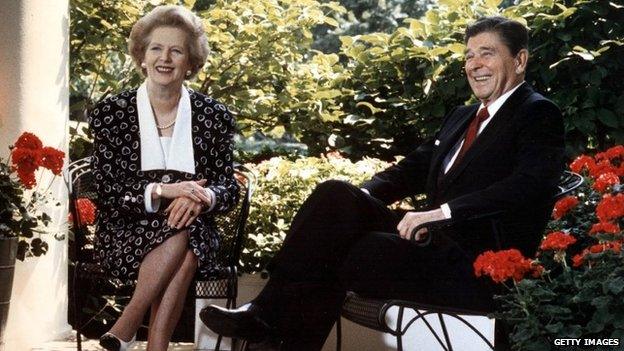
{"x": 162, "y": 161}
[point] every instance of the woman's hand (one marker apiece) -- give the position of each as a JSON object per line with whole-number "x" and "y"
{"x": 182, "y": 212}
{"x": 193, "y": 190}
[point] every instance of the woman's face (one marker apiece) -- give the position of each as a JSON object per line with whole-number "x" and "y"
{"x": 167, "y": 56}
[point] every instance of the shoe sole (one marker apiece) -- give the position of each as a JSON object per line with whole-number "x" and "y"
{"x": 224, "y": 325}
{"x": 110, "y": 344}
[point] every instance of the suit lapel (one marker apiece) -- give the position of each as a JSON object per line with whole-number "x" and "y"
{"x": 491, "y": 131}
{"x": 448, "y": 137}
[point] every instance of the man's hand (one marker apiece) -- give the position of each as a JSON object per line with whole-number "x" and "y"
{"x": 413, "y": 219}
{"x": 182, "y": 212}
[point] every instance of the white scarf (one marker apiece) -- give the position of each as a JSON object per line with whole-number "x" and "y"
{"x": 180, "y": 155}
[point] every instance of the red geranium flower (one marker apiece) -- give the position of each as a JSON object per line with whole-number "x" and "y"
{"x": 28, "y": 141}
{"x": 614, "y": 246}
{"x": 610, "y": 207}
{"x": 538, "y": 270}
{"x": 502, "y": 265}
{"x": 25, "y": 162}
{"x": 605, "y": 227}
{"x": 557, "y": 241}
{"x": 602, "y": 167}
{"x": 612, "y": 153}
{"x": 605, "y": 181}
{"x": 52, "y": 159}
{"x": 564, "y": 205}
{"x": 578, "y": 260}
{"x": 86, "y": 211}
{"x": 582, "y": 162}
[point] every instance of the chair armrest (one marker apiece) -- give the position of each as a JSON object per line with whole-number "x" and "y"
{"x": 431, "y": 227}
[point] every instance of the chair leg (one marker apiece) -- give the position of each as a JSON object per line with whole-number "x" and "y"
{"x": 338, "y": 334}
{"x": 229, "y": 303}
{"x": 244, "y": 345}
{"x": 445, "y": 331}
{"x": 399, "y": 332}
{"x": 78, "y": 340}
{"x": 76, "y": 312}
{"x": 232, "y": 304}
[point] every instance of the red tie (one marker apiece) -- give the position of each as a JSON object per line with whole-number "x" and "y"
{"x": 471, "y": 134}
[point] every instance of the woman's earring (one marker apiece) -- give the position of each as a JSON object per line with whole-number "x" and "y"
{"x": 143, "y": 65}
{"x": 188, "y": 73}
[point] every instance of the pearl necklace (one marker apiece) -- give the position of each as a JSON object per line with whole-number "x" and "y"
{"x": 166, "y": 126}
{"x": 161, "y": 127}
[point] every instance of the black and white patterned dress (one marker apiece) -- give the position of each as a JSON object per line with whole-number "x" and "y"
{"x": 126, "y": 232}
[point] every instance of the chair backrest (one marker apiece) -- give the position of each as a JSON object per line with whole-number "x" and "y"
{"x": 232, "y": 223}
{"x": 81, "y": 185}
{"x": 569, "y": 182}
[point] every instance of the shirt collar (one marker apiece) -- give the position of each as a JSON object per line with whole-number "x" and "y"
{"x": 180, "y": 155}
{"x": 495, "y": 105}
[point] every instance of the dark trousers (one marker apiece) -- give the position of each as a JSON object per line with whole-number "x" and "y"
{"x": 343, "y": 239}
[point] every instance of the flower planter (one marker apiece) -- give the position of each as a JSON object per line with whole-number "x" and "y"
{"x": 8, "y": 251}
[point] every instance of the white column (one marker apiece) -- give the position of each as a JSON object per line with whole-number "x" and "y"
{"x": 34, "y": 96}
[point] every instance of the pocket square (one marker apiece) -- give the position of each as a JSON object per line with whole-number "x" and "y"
{"x": 437, "y": 142}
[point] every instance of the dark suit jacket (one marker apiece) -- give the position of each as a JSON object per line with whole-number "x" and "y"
{"x": 121, "y": 183}
{"x": 509, "y": 174}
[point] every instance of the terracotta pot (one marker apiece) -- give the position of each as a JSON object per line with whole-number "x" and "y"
{"x": 8, "y": 251}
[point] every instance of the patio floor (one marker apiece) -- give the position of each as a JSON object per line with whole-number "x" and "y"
{"x": 92, "y": 345}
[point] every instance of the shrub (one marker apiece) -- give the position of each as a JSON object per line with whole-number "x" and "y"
{"x": 383, "y": 93}
{"x": 401, "y": 84}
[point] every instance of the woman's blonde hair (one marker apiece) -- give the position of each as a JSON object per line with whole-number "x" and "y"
{"x": 170, "y": 16}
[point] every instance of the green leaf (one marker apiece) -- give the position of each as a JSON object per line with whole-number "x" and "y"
{"x": 523, "y": 334}
{"x": 557, "y": 311}
{"x": 601, "y": 301}
{"x": 332, "y": 22}
{"x": 493, "y": 4}
{"x": 571, "y": 331}
{"x": 554, "y": 328}
{"x": 584, "y": 122}
{"x": 615, "y": 285}
{"x": 608, "y": 118}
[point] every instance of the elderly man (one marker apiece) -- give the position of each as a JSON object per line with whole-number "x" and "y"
{"x": 492, "y": 168}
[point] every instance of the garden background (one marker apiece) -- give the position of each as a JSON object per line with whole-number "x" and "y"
{"x": 365, "y": 80}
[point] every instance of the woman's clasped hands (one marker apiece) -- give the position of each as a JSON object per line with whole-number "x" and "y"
{"x": 189, "y": 199}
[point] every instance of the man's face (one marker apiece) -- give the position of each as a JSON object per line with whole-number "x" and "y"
{"x": 490, "y": 68}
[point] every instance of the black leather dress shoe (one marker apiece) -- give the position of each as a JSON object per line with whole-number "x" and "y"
{"x": 244, "y": 322}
